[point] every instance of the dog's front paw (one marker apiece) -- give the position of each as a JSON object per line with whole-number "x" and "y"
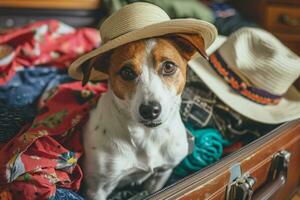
{"x": 157, "y": 181}
{"x": 151, "y": 186}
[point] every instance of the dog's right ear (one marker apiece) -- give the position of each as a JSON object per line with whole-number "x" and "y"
{"x": 99, "y": 63}
{"x": 189, "y": 44}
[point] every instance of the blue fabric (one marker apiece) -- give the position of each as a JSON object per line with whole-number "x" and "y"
{"x": 65, "y": 194}
{"x": 26, "y": 86}
{"x": 18, "y": 97}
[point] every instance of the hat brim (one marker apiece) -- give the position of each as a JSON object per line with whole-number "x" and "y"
{"x": 192, "y": 26}
{"x": 287, "y": 109}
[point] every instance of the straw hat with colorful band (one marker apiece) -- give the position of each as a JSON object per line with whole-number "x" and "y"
{"x": 139, "y": 21}
{"x": 236, "y": 82}
{"x": 253, "y": 73}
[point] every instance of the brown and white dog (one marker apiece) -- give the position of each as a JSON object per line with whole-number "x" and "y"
{"x": 135, "y": 134}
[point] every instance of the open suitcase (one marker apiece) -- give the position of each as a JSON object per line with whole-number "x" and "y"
{"x": 268, "y": 168}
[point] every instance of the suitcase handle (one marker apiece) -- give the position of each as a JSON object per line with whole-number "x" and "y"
{"x": 276, "y": 178}
{"x": 242, "y": 187}
{"x": 270, "y": 189}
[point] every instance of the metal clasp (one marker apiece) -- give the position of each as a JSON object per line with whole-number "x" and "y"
{"x": 242, "y": 188}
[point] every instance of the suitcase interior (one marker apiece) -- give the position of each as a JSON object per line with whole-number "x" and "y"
{"x": 254, "y": 158}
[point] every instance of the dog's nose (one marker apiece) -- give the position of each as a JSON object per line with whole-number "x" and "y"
{"x": 150, "y": 111}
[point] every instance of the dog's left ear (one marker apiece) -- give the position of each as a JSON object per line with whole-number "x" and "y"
{"x": 189, "y": 44}
{"x": 99, "y": 63}
{"x": 86, "y": 69}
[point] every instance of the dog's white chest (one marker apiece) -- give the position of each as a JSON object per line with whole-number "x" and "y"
{"x": 142, "y": 163}
{"x": 118, "y": 152}
{"x": 135, "y": 162}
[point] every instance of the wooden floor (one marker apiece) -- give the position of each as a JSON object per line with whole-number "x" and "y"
{"x": 297, "y": 195}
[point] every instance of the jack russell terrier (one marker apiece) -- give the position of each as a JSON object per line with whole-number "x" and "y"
{"x": 135, "y": 133}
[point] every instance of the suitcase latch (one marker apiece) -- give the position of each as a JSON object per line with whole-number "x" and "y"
{"x": 241, "y": 186}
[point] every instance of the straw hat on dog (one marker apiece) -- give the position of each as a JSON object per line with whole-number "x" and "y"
{"x": 139, "y": 21}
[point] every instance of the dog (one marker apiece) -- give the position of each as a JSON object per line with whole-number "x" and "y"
{"x": 135, "y": 134}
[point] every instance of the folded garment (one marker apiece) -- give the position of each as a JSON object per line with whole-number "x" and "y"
{"x": 208, "y": 149}
{"x": 45, "y": 156}
{"x": 50, "y": 43}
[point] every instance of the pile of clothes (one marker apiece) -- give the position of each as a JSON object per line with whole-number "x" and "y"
{"x": 33, "y": 68}
{"x": 33, "y": 59}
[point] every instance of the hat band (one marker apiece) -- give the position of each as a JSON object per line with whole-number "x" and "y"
{"x": 236, "y": 82}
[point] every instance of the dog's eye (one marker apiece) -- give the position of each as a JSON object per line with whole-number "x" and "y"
{"x": 168, "y": 68}
{"x": 127, "y": 73}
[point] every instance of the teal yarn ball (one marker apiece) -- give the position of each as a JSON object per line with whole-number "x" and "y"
{"x": 208, "y": 148}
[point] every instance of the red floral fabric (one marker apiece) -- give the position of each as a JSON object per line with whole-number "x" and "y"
{"x": 48, "y": 42}
{"x": 45, "y": 154}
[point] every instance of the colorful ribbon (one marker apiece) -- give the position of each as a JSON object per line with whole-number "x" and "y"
{"x": 252, "y": 93}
